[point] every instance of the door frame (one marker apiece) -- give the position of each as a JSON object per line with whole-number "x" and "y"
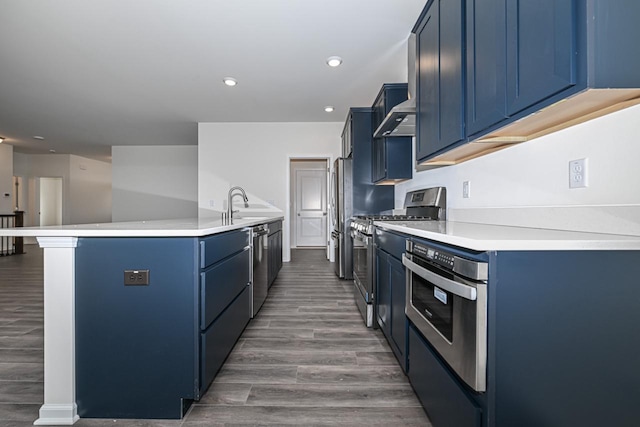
{"x": 289, "y": 203}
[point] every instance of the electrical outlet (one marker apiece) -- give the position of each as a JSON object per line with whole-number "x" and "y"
{"x": 136, "y": 277}
{"x": 578, "y": 173}
{"x": 466, "y": 189}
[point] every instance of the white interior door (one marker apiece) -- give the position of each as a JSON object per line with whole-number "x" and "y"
{"x": 50, "y": 201}
{"x": 311, "y": 207}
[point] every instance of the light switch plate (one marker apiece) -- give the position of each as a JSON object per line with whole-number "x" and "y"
{"x": 466, "y": 189}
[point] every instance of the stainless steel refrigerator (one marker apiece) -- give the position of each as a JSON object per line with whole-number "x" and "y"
{"x": 341, "y": 211}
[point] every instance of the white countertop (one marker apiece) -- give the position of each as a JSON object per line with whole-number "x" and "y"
{"x": 189, "y": 227}
{"x": 484, "y": 237}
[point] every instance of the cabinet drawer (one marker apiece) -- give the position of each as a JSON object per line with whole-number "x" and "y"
{"x": 446, "y": 403}
{"x": 217, "y": 247}
{"x": 392, "y": 243}
{"x": 220, "y": 284}
{"x": 218, "y": 340}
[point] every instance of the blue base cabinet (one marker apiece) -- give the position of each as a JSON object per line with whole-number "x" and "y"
{"x": 390, "y": 292}
{"x": 446, "y": 401}
{"x": 149, "y": 351}
{"x": 561, "y": 345}
{"x": 275, "y": 251}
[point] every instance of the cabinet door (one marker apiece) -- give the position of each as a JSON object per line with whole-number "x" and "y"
{"x": 541, "y": 54}
{"x": 347, "y": 138}
{"x": 439, "y": 108}
{"x": 379, "y": 161}
{"x": 486, "y": 64}
{"x": 383, "y": 291}
{"x": 398, "y": 318}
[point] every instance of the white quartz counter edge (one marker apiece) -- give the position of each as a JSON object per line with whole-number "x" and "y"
{"x": 484, "y": 237}
{"x": 190, "y": 227}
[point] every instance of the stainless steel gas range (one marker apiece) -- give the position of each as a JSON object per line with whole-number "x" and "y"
{"x": 420, "y": 205}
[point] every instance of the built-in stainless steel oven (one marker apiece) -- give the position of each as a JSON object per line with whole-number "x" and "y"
{"x": 447, "y": 302}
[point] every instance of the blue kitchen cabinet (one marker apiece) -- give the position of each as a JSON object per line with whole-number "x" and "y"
{"x": 530, "y": 68}
{"x": 392, "y": 156}
{"x": 274, "y": 259}
{"x": 225, "y": 300}
{"x": 440, "y": 392}
{"x": 541, "y": 50}
{"x": 519, "y": 53}
{"x": 383, "y": 292}
{"x": 561, "y": 345}
{"x": 440, "y": 84}
{"x": 347, "y": 138}
{"x": 367, "y": 198}
{"x": 390, "y": 292}
{"x": 485, "y": 64}
{"x": 149, "y": 351}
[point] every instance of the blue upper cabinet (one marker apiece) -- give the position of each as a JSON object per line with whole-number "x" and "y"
{"x": 367, "y": 198}
{"x": 440, "y": 85}
{"x": 541, "y": 50}
{"x": 518, "y": 53}
{"x": 525, "y": 68}
{"x": 392, "y": 157}
{"x": 486, "y": 68}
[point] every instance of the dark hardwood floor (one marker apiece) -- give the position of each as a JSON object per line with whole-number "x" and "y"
{"x": 305, "y": 359}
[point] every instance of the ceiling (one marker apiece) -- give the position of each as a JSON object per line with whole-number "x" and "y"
{"x": 87, "y": 75}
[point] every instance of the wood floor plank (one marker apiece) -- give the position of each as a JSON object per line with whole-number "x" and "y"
{"x": 293, "y": 358}
{"x": 203, "y": 415}
{"x": 394, "y": 396}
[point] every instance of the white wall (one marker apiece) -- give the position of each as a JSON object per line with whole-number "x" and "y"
{"x": 256, "y": 157}
{"x": 528, "y": 184}
{"x": 85, "y": 196}
{"x": 154, "y": 182}
{"x": 90, "y": 190}
{"x": 6, "y": 178}
{"x": 32, "y": 166}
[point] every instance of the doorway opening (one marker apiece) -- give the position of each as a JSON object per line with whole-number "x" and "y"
{"x": 50, "y": 201}
{"x": 309, "y": 207}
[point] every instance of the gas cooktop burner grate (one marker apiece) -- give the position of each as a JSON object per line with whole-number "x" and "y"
{"x": 394, "y": 218}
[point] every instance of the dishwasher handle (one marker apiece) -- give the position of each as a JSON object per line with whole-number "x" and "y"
{"x": 260, "y": 230}
{"x": 456, "y": 288}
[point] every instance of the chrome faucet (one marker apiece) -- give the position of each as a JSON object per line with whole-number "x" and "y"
{"x": 230, "y": 197}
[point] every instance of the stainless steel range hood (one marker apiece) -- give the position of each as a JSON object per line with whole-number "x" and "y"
{"x": 401, "y": 120}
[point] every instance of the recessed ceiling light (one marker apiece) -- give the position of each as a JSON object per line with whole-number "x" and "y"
{"x": 230, "y": 81}
{"x": 52, "y": 151}
{"x": 334, "y": 61}
{"x": 38, "y": 137}
{"x": 328, "y": 109}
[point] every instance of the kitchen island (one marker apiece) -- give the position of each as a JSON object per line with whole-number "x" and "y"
{"x": 513, "y": 326}
{"x": 139, "y": 316}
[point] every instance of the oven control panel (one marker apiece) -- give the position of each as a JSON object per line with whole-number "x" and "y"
{"x": 439, "y": 257}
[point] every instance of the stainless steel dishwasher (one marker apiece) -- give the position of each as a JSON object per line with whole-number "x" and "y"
{"x": 260, "y": 284}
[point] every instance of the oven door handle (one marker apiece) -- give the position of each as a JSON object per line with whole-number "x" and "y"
{"x": 459, "y": 289}
{"x": 360, "y": 237}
